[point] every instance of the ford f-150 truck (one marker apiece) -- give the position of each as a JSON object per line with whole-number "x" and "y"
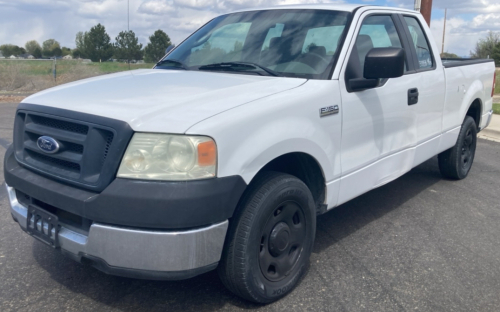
{"x": 223, "y": 155}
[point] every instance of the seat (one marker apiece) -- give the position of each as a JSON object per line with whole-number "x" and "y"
{"x": 319, "y": 50}
{"x": 279, "y": 52}
{"x": 364, "y": 44}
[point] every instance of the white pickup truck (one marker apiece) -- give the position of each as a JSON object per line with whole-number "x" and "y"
{"x": 224, "y": 153}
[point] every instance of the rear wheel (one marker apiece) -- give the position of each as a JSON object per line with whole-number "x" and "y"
{"x": 456, "y": 162}
{"x": 270, "y": 239}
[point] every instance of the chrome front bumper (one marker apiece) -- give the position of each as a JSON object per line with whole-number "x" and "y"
{"x": 138, "y": 251}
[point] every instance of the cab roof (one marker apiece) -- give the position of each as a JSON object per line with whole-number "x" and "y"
{"x": 326, "y": 6}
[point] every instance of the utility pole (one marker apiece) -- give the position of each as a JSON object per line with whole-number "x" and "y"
{"x": 128, "y": 33}
{"x": 444, "y": 30}
{"x": 418, "y": 5}
{"x": 54, "y": 70}
{"x": 426, "y": 9}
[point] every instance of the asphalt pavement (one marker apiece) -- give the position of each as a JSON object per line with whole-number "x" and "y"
{"x": 420, "y": 243}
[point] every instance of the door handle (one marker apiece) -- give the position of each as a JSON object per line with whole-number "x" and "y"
{"x": 413, "y": 96}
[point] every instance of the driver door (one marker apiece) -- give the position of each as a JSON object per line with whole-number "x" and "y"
{"x": 379, "y": 124}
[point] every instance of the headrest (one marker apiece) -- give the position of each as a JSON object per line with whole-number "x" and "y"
{"x": 320, "y": 50}
{"x": 276, "y": 42}
{"x": 364, "y": 42}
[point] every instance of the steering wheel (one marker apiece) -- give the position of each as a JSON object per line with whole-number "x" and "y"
{"x": 304, "y": 58}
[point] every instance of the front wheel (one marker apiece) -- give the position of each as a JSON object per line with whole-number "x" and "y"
{"x": 456, "y": 162}
{"x": 269, "y": 239}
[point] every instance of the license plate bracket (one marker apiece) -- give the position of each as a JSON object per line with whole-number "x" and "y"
{"x": 43, "y": 226}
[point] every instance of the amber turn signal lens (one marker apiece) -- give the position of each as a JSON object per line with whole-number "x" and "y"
{"x": 207, "y": 154}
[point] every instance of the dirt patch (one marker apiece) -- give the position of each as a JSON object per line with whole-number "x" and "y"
{"x": 12, "y": 98}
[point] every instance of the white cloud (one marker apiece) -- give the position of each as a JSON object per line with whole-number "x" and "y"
{"x": 467, "y": 22}
{"x": 158, "y": 7}
{"x": 462, "y": 35}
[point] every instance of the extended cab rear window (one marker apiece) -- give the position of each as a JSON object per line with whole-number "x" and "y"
{"x": 420, "y": 43}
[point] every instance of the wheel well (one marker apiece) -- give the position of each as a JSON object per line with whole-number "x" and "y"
{"x": 304, "y": 167}
{"x": 475, "y": 111}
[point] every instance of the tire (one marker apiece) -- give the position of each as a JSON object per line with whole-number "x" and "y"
{"x": 456, "y": 162}
{"x": 270, "y": 239}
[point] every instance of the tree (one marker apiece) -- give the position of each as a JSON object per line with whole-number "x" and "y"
{"x": 65, "y": 51}
{"x": 37, "y": 53}
{"x": 496, "y": 55}
{"x": 96, "y": 44}
{"x": 238, "y": 46}
{"x": 57, "y": 52}
{"x": 127, "y": 46}
{"x": 51, "y": 48}
{"x": 156, "y": 47}
{"x": 485, "y": 46}
{"x": 32, "y": 47}
{"x": 11, "y": 49}
{"x": 449, "y": 55}
{"x": 79, "y": 52}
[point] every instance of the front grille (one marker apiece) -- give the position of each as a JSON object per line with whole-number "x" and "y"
{"x": 60, "y": 124}
{"x": 84, "y": 150}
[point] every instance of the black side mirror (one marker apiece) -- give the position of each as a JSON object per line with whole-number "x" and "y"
{"x": 169, "y": 48}
{"x": 383, "y": 63}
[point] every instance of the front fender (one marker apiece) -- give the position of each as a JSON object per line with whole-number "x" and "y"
{"x": 274, "y": 140}
{"x": 252, "y": 135}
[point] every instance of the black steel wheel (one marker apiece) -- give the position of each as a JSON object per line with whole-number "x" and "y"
{"x": 270, "y": 239}
{"x": 456, "y": 162}
{"x": 282, "y": 241}
{"x": 468, "y": 150}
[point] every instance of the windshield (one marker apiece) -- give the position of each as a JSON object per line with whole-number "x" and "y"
{"x": 290, "y": 43}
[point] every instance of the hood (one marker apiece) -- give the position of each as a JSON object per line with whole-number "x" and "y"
{"x": 169, "y": 101}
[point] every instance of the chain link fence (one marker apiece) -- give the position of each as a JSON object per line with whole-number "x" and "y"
{"x": 36, "y": 75}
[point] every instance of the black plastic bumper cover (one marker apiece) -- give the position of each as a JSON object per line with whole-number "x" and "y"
{"x": 135, "y": 203}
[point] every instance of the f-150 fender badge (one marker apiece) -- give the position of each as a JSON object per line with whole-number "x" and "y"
{"x": 329, "y": 110}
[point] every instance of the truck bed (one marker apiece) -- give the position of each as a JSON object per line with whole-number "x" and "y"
{"x": 455, "y": 62}
{"x": 467, "y": 81}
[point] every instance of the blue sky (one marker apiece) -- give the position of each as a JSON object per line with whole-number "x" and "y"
{"x": 23, "y": 20}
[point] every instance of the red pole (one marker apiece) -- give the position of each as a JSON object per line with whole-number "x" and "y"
{"x": 426, "y": 9}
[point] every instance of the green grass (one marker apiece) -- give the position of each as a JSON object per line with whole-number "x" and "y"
{"x": 36, "y": 75}
{"x": 496, "y": 108}
{"x": 111, "y": 67}
{"x": 36, "y": 67}
{"x": 497, "y": 87}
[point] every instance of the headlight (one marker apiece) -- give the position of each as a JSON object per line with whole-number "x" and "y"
{"x": 169, "y": 157}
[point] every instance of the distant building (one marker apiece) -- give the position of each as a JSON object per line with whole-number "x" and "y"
{"x": 67, "y": 57}
{"x": 30, "y": 57}
{"x": 12, "y": 57}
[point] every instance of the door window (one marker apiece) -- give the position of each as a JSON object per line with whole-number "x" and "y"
{"x": 377, "y": 31}
{"x": 420, "y": 43}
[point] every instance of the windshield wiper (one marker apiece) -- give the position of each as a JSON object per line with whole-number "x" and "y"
{"x": 234, "y": 65}
{"x": 422, "y": 48}
{"x": 181, "y": 65}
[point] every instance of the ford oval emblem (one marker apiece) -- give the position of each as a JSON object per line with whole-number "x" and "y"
{"x": 47, "y": 144}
